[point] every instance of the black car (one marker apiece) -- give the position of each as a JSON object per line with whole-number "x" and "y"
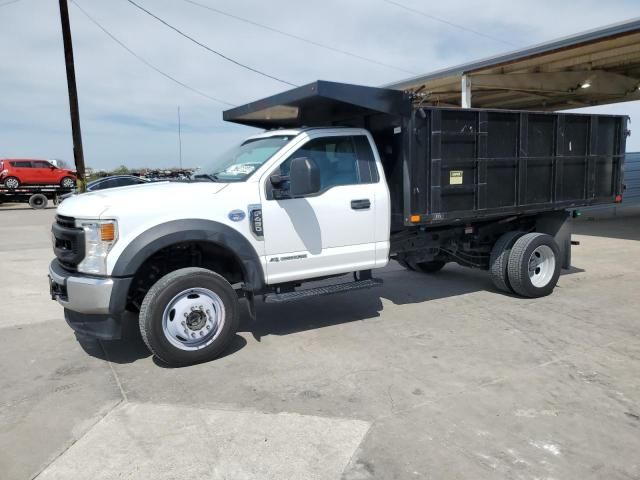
{"x": 110, "y": 182}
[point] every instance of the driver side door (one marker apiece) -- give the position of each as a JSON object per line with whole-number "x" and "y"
{"x": 328, "y": 232}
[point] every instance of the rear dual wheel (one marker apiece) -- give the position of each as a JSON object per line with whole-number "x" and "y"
{"x": 526, "y": 264}
{"x": 534, "y": 265}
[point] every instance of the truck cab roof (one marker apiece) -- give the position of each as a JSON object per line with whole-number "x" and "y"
{"x": 293, "y": 131}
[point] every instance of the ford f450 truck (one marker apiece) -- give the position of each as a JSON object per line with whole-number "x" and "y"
{"x": 343, "y": 179}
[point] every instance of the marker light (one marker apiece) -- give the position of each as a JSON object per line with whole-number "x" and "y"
{"x": 108, "y": 232}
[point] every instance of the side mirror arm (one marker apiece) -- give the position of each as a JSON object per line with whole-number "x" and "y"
{"x": 277, "y": 180}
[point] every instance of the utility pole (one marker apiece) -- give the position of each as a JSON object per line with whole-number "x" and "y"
{"x": 74, "y": 110}
{"x": 180, "y": 137}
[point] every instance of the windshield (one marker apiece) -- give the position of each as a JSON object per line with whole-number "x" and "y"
{"x": 237, "y": 164}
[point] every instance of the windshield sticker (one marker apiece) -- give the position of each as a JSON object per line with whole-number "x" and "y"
{"x": 241, "y": 169}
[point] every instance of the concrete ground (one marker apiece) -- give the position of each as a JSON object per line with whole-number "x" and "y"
{"x": 434, "y": 377}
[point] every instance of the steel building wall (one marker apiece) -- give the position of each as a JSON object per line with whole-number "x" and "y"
{"x": 632, "y": 178}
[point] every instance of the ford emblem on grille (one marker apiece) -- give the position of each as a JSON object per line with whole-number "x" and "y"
{"x": 236, "y": 215}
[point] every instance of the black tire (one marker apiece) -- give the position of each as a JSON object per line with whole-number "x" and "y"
{"x": 161, "y": 294}
{"x": 38, "y": 201}
{"x": 433, "y": 266}
{"x": 404, "y": 264}
{"x": 67, "y": 182}
{"x": 499, "y": 260}
{"x": 11, "y": 182}
{"x": 523, "y": 250}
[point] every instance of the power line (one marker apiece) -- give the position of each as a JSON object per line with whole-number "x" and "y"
{"x": 296, "y": 37}
{"x": 447, "y": 22}
{"x": 8, "y": 3}
{"x": 148, "y": 64}
{"x": 229, "y": 59}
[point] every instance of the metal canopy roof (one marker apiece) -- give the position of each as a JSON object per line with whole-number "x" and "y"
{"x": 320, "y": 103}
{"x": 592, "y": 68}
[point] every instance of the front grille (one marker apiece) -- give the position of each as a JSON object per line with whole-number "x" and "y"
{"x": 68, "y": 242}
{"x": 68, "y": 222}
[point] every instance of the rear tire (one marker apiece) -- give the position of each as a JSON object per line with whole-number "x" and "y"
{"x": 534, "y": 265}
{"x": 433, "y": 266}
{"x": 11, "y": 182}
{"x": 189, "y": 316}
{"x": 499, "y": 260}
{"x": 38, "y": 201}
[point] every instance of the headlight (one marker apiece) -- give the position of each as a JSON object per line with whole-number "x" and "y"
{"x": 99, "y": 238}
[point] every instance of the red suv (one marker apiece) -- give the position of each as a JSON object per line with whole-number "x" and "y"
{"x": 15, "y": 172}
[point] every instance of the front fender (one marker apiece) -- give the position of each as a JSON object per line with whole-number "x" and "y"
{"x": 188, "y": 230}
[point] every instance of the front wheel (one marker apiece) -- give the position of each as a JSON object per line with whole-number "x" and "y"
{"x": 189, "y": 316}
{"x": 67, "y": 182}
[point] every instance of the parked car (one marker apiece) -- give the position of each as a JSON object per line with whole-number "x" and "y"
{"x": 109, "y": 182}
{"x": 15, "y": 172}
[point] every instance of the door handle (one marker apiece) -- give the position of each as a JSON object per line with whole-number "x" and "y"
{"x": 361, "y": 204}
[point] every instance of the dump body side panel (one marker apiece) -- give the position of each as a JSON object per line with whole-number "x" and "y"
{"x": 469, "y": 164}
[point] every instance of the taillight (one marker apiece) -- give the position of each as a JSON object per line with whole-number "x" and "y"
{"x": 618, "y": 199}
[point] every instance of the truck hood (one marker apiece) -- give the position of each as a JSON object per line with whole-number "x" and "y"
{"x": 148, "y": 197}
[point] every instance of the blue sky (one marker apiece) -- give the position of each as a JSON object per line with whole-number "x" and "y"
{"x": 129, "y": 111}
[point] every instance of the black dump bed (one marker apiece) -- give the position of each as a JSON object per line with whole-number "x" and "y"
{"x": 450, "y": 165}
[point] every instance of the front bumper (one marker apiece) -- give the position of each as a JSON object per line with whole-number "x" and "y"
{"x": 93, "y": 306}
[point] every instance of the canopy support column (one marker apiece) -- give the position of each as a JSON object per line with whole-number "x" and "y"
{"x": 465, "y": 97}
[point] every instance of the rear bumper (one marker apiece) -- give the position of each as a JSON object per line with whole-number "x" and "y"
{"x": 93, "y": 306}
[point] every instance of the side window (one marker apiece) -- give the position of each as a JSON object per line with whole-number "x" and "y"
{"x": 41, "y": 165}
{"x": 21, "y": 164}
{"x": 341, "y": 160}
{"x": 122, "y": 182}
{"x": 98, "y": 185}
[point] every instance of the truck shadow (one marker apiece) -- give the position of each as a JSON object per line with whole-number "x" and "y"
{"x": 131, "y": 347}
{"x": 401, "y": 287}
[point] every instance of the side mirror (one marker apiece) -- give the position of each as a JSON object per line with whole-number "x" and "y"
{"x": 52, "y": 167}
{"x": 304, "y": 177}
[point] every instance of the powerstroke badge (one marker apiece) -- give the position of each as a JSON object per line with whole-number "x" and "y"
{"x": 236, "y": 215}
{"x": 255, "y": 220}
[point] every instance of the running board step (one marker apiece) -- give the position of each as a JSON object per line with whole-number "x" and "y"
{"x": 320, "y": 291}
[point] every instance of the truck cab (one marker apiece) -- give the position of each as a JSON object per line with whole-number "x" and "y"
{"x": 283, "y": 207}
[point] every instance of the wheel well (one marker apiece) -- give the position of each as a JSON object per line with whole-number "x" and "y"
{"x": 180, "y": 255}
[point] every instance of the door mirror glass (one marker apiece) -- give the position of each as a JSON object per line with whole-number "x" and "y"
{"x": 304, "y": 177}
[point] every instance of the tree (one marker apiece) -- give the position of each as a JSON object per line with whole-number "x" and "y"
{"x": 121, "y": 170}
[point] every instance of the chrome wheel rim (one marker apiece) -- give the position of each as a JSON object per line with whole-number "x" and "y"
{"x": 193, "y": 319}
{"x": 11, "y": 183}
{"x": 542, "y": 264}
{"x": 68, "y": 183}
